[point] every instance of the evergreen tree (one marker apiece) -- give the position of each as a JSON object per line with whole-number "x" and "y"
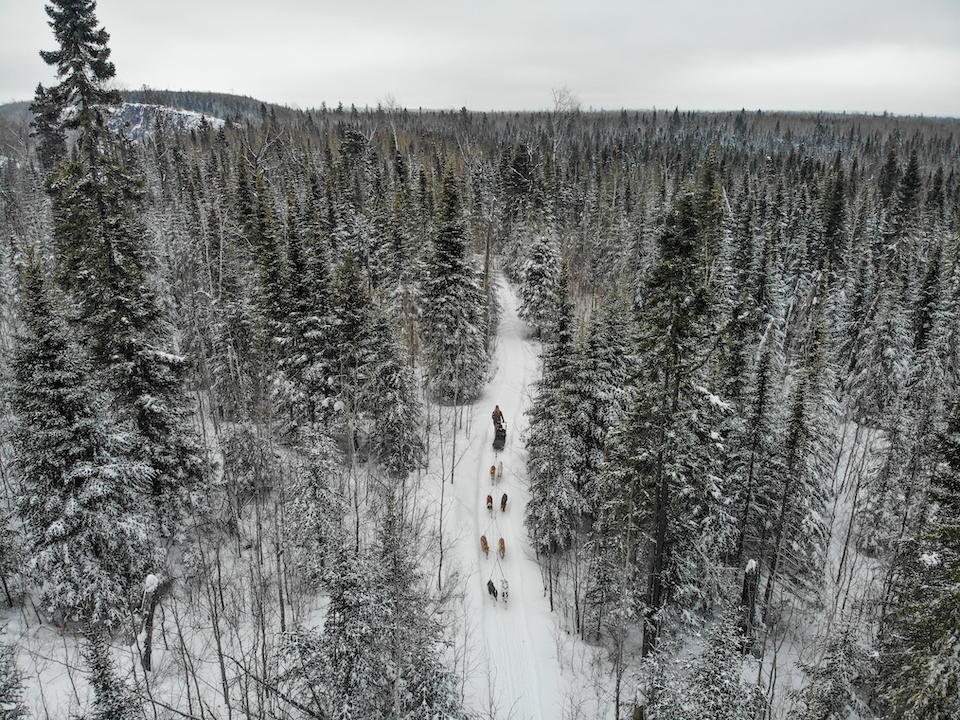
{"x": 836, "y": 686}
{"x": 396, "y": 437}
{"x": 799, "y": 529}
{"x": 102, "y": 263}
{"x": 82, "y": 502}
{"x": 309, "y": 354}
{"x": 539, "y": 276}
{"x": 421, "y": 686}
{"x": 664, "y": 462}
{"x": 82, "y": 99}
{"x": 83, "y": 65}
{"x": 906, "y": 205}
{"x": 554, "y": 513}
{"x": 599, "y": 396}
{"x": 340, "y": 671}
{"x": 921, "y": 671}
{"x": 754, "y": 468}
{"x": 12, "y": 706}
{"x": 716, "y": 688}
{"x": 317, "y": 503}
{"x": 265, "y": 243}
{"x": 377, "y": 655}
{"x": 833, "y": 220}
{"x": 112, "y": 698}
{"x": 51, "y": 137}
{"x": 453, "y": 307}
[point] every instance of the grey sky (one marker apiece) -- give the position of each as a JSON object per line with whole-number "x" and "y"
{"x": 900, "y": 56}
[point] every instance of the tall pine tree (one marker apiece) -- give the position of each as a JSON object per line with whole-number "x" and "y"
{"x": 453, "y": 305}
{"x": 82, "y": 502}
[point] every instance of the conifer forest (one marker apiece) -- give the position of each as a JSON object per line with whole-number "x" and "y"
{"x": 240, "y": 344}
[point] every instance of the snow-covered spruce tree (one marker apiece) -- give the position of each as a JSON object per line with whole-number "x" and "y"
{"x": 539, "y": 278}
{"x": 113, "y": 699}
{"x": 664, "y": 462}
{"x": 879, "y": 369}
{"x": 741, "y": 316}
{"x": 897, "y": 502}
{"x": 597, "y": 395}
{"x": 404, "y": 259}
{"x": 715, "y": 688}
{"x": 307, "y": 363}
{"x": 601, "y": 372}
{"x": 83, "y": 500}
{"x": 83, "y": 97}
{"x": 317, "y": 508}
{"x": 102, "y": 262}
{"x": 420, "y": 684}
{"x": 338, "y": 672}
{"x": 374, "y": 386}
{"x": 836, "y": 688}
{"x": 554, "y": 514}
{"x": 378, "y": 654}
{"x": 454, "y": 304}
{"x": 50, "y": 135}
{"x": 396, "y": 438}
{"x": 261, "y": 236}
{"x": 794, "y": 553}
{"x": 750, "y": 368}
{"x": 920, "y": 662}
{"x": 12, "y": 706}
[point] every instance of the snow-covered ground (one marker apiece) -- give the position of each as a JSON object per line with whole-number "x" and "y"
{"x": 520, "y": 661}
{"x": 513, "y": 658}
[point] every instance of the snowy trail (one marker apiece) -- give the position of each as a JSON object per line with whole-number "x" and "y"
{"x": 517, "y": 674}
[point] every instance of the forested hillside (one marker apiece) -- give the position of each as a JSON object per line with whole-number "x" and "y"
{"x": 234, "y": 349}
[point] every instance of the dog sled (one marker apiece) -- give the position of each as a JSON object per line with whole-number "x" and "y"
{"x": 500, "y": 436}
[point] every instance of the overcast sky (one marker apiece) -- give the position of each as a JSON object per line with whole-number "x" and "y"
{"x": 900, "y": 56}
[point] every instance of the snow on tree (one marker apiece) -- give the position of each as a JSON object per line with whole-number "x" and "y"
{"x": 397, "y": 432}
{"x": 838, "y": 686}
{"x": 454, "y": 307}
{"x": 715, "y": 687}
{"x": 12, "y": 706}
{"x": 598, "y": 391}
{"x": 710, "y": 685}
{"x": 102, "y": 262}
{"x": 83, "y": 97}
{"x": 380, "y": 413}
{"x": 378, "y": 652}
{"x": 920, "y": 665}
{"x": 317, "y": 508}
{"x": 539, "y": 277}
{"x": 113, "y": 699}
{"x": 83, "y": 499}
{"x": 662, "y": 478}
{"x": 554, "y": 513}
{"x": 796, "y": 546}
